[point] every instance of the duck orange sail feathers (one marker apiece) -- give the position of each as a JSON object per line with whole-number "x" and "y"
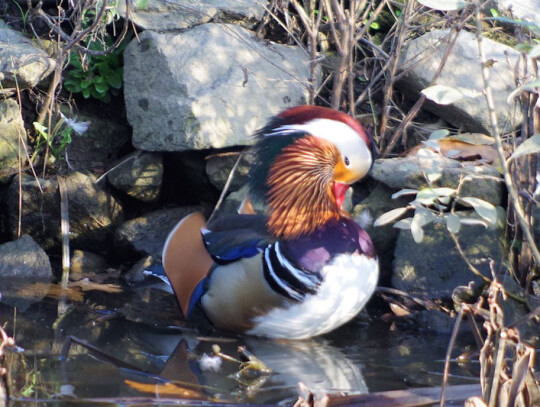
{"x": 304, "y": 268}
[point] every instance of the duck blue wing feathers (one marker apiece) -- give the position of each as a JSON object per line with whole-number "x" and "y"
{"x": 235, "y": 237}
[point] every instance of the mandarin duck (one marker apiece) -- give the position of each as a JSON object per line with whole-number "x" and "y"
{"x": 303, "y": 268}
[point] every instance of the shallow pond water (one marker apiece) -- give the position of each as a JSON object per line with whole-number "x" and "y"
{"x": 140, "y": 349}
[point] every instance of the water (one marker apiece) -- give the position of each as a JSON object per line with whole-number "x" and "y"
{"x": 140, "y": 328}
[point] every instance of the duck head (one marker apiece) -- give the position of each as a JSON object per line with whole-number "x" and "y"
{"x": 305, "y": 159}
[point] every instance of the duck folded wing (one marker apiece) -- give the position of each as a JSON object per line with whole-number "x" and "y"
{"x": 237, "y": 236}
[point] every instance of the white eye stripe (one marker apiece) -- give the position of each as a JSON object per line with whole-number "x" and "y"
{"x": 350, "y": 144}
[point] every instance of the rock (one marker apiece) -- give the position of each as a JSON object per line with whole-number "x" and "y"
{"x": 24, "y": 258}
{"x": 40, "y": 210}
{"x": 11, "y": 128}
{"x": 216, "y": 85}
{"x": 136, "y": 273}
{"x": 139, "y": 175}
{"x": 384, "y": 237}
{"x": 147, "y": 234}
{"x": 432, "y": 268}
{"x": 105, "y": 138}
{"x": 93, "y": 213}
{"x": 462, "y": 69}
{"x": 22, "y": 62}
{"x": 408, "y": 172}
{"x": 434, "y": 320}
{"x": 526, "y": 10}
{"x": 219, "y": 166}
{"x": 84, "y": 262}
{"x": 152, "y": 306}
{"x": 164, "y": 15}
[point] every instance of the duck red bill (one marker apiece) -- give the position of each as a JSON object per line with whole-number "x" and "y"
{"x": 339, "y": 189}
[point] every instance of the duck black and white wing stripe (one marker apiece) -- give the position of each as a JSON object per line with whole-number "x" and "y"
{"x": 285, "y": 278}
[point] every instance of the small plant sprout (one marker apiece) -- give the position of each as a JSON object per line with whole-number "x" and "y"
{"x": 437, "y": 205}
{"x": 59, "y": 138}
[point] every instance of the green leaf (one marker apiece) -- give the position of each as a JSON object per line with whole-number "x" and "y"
{"x": 494, "y": 12}
{"x": 532, "y": 85}
{"x": 403, "y": 223}
{"x": 86, "y": 84}
{"x": 417, "y": 231}
{"x": 486, "y": 210}
{"x": 390, "y": 216}
{"x": 534, "y": 52}
{"x": 115, "y": 79}
{"x": 101, "y": 87}
{"x": 72, "y": 86}
{"x": 42, "y": 130}
{"x": 510, "y": 21}
{"x": 405, "y": 191}
{"x": 473, "y": 222}
{"x": 446, "y": 95}
{"x": 423, "y": 216}
{"x": 439, "y": 134}
{"x": 141, "y": 4}
{"x": 444, "y": 5}
{"x": 428, "y": 196}
{"x": 453, "y": 222}
{"x": 529, "y": 146}
{"x": 86, "y": 93}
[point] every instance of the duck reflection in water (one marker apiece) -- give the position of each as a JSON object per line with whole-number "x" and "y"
{"x": 320, "y": 367}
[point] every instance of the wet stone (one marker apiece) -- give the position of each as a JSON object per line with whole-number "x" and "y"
{"x": 93, "y": 213}
{"x": 139, "y": 175}
{"x": 84, "y": 262}
{"x": 11, "y": 128}
{"x": 24, "y": 258}
{"x": 433, "y": 268}
{"x": 147, "y": 234}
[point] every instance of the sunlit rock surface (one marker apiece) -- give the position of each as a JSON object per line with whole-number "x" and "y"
{"x": 526, "y": 10}
{"x": 22, "y": 63}
{"x": 11, "y": 131}
{"x": 85, "y": 262}
{"x": 462, "y": 69}
{"x": 216, "y": 84}
{"x": 166, "y": 15}
{"x": 433, "y": 268}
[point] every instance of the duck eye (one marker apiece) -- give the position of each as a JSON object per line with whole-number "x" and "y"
{"x": 346, "y": 160}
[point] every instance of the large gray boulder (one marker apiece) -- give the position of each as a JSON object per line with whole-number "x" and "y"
{"x": 93, "y": 213}
{"x": 167, "y": 15}
{"x": 22, "y": 62}
{"x": 11, "y": 129}
{"x": 24, "y": 258}
{"x": 147, "y": 234}
{"x": 216, "y": 85}
{"x": 433, "y": 268}
{"x": 462, "y": 69}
